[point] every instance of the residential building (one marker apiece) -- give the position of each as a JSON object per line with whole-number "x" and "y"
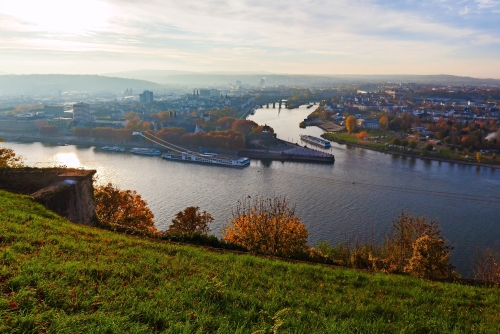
{"x": 81, "y": 112}
{"x": 146, "y": 97}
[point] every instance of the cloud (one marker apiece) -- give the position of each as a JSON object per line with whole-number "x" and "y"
{"x": 296, "y": 35}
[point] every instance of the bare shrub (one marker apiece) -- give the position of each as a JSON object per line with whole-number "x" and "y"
{"x": 487, "y": 266}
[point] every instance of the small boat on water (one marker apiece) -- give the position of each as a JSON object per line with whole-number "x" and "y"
{"x": 208, "y": 158}
{"x": 113, "y": 148}
{"x": 315, "y": 141}
{"x": 145, "y": 151}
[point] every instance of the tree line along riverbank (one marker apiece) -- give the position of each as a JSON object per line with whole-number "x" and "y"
{"x": 379, "y": 145}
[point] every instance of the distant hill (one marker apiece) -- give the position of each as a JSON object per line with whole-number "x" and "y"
{"x": 52, "y": 83}
{"x": 198, "y": 79}
{"x": 186, "y": 77}
{"x": 437, "y": 79}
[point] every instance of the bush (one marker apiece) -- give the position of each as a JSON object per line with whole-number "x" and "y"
{"x": 487, "y": 266}
{"x": 429, "y": 147}
{"x": 267, "y": 226}
{"x": 191, "y": 220}
{"x": 402, "y": 246}
{"x": 430, "y": 259}
{"x": 8, "y": 158}
{"x": 123, "y": 210}
{"x": 396, "y": 141}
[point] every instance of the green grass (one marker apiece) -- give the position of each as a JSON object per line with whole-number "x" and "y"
{"x": 59, "y": 277}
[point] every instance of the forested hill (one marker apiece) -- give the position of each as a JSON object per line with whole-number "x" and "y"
{"x": 52, "y": 83}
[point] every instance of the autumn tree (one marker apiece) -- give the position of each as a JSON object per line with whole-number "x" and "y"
{"x": 362, "y": 135}
{"x": 350, "y": 124}
{"x": 81, "y": 132}
{"x": 384, "y": 122}
{"x": 191, "y": 220}
{"x": 244, "y": 126}
{"x": 430, "y": 258}
{"x": 8, "y": 158}
{"x": 413, "y": 144}
{"x": 267, "y": 226}
{"x": 478, "y": 156}
{"x": 417, "y": 246}
{"x": 226, "y": 122}
{"x": 123, "y": 210}
{"x": 49, "y": 130}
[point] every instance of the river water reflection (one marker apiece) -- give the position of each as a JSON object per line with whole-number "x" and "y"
{"x": 358, "y": 195}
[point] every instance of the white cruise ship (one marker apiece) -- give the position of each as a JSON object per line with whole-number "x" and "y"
{"x": 315, "y": 141}
{"x": 208, "y": 158}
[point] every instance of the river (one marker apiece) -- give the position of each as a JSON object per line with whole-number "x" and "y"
{"x": 360, "y": 194}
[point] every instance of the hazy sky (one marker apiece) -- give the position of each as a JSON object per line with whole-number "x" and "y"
{"x": 313, "y": 36}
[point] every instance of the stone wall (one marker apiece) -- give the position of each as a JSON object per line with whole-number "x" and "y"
{"x": 68, "y": 192}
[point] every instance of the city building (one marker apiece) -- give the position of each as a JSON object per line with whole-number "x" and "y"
{"x": 204, "y": 92}
{"x": 81, "y": 113}
{"x": 146, "y": 96}
{"x": 263, "y": 81}
{"x": 56, "y": 111}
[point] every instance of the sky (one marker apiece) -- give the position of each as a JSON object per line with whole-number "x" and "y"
{"x": 458, "y": 37}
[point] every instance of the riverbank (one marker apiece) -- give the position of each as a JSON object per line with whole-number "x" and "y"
{"x": 410, "y": 155}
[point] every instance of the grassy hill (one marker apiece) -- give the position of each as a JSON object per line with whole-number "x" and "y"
{"x": 59, "y": 277}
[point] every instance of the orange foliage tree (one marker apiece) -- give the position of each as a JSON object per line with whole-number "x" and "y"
{"x": 350, "y": 124}
{"x": 123, "y": 210}
{"x": 267, "y": 226}
{"x": 191, "y": 220}
{"x": 81, "y": 132}
{"x": 49, "y": 130}
{"x": 244, "y": 126}
{"x": 226, "y": 122}
{"x": 416, "y": 245}
{"x": 384, "y": 122}
{"x": 362, "y": 135}
{"x": 8, "y": 158}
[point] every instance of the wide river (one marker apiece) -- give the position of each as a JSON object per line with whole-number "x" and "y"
{"x": 359, "y": 195}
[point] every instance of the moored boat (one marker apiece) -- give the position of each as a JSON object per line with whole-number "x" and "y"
{"x": 315, "y": 141}
{"x": 145, "y": 151}
{"x": 208, "y": 158}
{"x": 113, "y": 148}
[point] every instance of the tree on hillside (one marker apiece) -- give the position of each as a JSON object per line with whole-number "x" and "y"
{"x": 8, "y": 158}
{"x": 350, "y": 124}
{"x": 267, "y": 226}
{"x": 191, "y": 220}
{"x": 413, "y": 144}
{"x": 417, "y": 246}
{"x": 123, "y": 210}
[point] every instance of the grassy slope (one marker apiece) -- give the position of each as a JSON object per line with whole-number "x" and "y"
{"x": 60, "y": 277}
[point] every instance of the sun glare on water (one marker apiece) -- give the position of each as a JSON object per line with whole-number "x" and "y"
{"x": 68, "y": 160}
{"x": 59, "y": 16}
